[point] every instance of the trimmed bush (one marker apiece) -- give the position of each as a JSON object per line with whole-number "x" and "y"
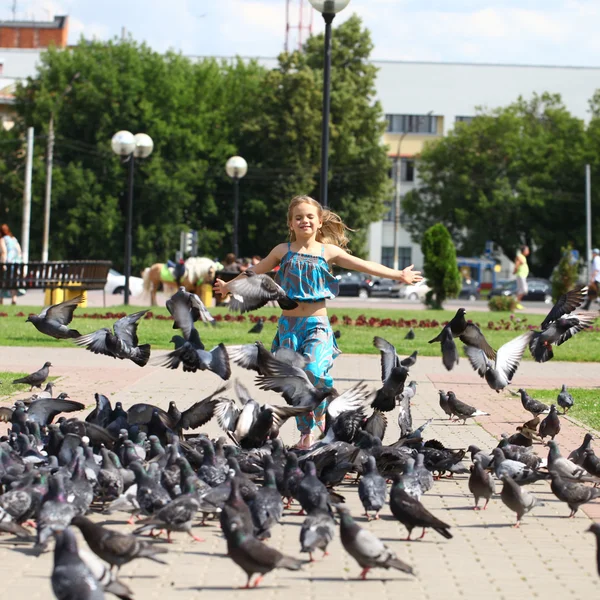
{"x": 502, "y": 303}
{"x": 565, "y": 275}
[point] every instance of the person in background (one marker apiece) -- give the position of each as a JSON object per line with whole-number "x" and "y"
{"x": 230, "y": 263}
{"x": 594, "y": 285}
{"x": 10, "y": 252}
{"x": 521, "y": 271}
{"x": 255, "y": 259}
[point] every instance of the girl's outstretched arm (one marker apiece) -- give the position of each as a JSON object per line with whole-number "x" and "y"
{"x": 266, "y": 265}
{"x": 353, "y": 263}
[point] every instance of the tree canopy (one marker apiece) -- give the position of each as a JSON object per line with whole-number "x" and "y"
{"x": 514, "y": 175}
{"x": 198, "y": 113}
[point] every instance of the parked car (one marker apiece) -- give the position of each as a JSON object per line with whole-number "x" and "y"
{"x": 115, "y": 284}
{"x": 416, "y": 291}
{"x": 354, "y": 284}
{"x": 470, "y": 290}
{"x": 539, "y": 289}
{"x": 388, "y": 288}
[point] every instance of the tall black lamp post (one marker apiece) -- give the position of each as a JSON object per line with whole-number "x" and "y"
{"x": 328, "y": 8}
{"x": 236, "y": 167}
{"x": 130, "y": 147}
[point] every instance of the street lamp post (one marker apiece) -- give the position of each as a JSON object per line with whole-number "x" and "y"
{"x": 130, "y": 147}
{"x": 236, "y": 168}
{"x": 328, "y": 8}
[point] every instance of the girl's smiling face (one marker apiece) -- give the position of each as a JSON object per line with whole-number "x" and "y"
{"x": 305, "y": 221}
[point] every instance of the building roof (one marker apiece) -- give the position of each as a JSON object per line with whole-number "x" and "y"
{"x": 57, "y": 23}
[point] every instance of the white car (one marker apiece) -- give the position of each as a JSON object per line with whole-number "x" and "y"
{"x": 416, "y": 291}
{"x": 115, "y": 284}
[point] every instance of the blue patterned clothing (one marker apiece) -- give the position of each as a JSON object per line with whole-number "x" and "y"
{"x": 313, "y": 338}
{"x": 306, "y": 277}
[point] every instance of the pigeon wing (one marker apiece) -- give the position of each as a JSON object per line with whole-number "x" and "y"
{"x": 477, "y": 358}
{"x": 245, "y": 356}
{"x": 141, "y": 413}
{"x": 227, "y": 413}
{"x": 357, "y": 397}
{"x": 126, "y": 328}
{"x": 510, "y": 354}
{"x": 567, "y": 303}
{"x": 44, "y": 410}
{"x": 202, "y": 412}
{"x": 576, "y": 322}
{"x": 95, "y": 342}
{"x": 62, "y": 313}
{"x": 252, "y": 292}
{"x": 182, "y": 316}
{"x": 472, "y": 336}
{"x": 389, "y": 357}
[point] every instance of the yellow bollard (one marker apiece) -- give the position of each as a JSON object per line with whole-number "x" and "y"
{"x": 206, "y": 294}
{"x": 73, "y": 291}
{"x": 53, "y": 296}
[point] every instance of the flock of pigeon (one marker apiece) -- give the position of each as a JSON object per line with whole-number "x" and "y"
{"x": 138, "y": 461}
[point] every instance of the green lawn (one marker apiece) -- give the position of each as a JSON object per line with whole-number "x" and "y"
{"x": 6, "y": 383}
{"x": 14, "y": 331}
{"x": 585, "y": 409}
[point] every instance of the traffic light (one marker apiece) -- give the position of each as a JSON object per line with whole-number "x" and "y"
{"x": 190, "y": 242}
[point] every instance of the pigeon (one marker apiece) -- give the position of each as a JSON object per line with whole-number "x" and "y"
{"x": 561, "y": 324}
{"x": 337, "y": 334}
{"x": 408, "y": 393}
{"x": 481, "y": 484}
{"x": 468, "y": 333}
{"x": 479, "y": 455}
{"x": 122, "y": 344}
{"x": 404, "y": 416}
{"x": 175, "y": 516}
{"x": 254, "y": 556}
{"x": 117, "y": 549}
{"x": 257, "y": 358}
{"x": 101, "y": 415}
{"x": 574, "y": 494}
{"x": 444, "y": 404}
{"x": 562, "y": 466}
{"x": 35, "y": 379}
{"x": 516, "y": 470}
{"x": 411, "y": 513}
{"x": 410, "y": 334}
{"x": 463, "y": 411}
{"x": 258, "y": 326}
{"x": 372, "y": 489}
{"x": 366, "y": 548}
{"x": 578, "y": 455}
{"x": 499, "y": 373}
{"x": 189, "y": 349}
{"x": 250, "y": 291}
{"x": 425, "y": 476}
{"x": 535, "y": 407}
{"x": 193, "y": 304}
{"x": 151, "y": 496}
{"x": 266, "y": 507}
{"x": 410, "y": 361}
{"x": 311, "y": 490}
{"x": 393, "y": 376}
{"x": 71, "y": 578}
{"x": 595, "y": 529}
{"x": 318, "y": 529}
{"x": 55, "y": 512}
{"x": 516, "y": 498}
{"x": 53, "y": 320}
{"x": 376, "y": 424}
{"x": 550, "y": 426}
{"x": 564, "y": 399}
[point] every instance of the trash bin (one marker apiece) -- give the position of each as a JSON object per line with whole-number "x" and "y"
{"x": 53, "y": 296}
{"x": 73, "y": 291}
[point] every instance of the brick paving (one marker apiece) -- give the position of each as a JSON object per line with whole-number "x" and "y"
{"x": 549, "y": 556}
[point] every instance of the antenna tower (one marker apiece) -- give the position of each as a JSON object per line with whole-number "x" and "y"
{"x": 302, "y": 23}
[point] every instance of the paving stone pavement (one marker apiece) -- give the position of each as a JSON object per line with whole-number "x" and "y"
{"x": 549, "y": 556}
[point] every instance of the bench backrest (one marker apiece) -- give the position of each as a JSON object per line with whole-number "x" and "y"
{"x": 87, "y": 274}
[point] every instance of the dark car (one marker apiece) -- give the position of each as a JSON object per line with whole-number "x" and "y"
{"x": 388, "y": 288}
{"x": 355, "y": 284}
{"x": 470, "y": 290}
{"x": 539, "y": 290}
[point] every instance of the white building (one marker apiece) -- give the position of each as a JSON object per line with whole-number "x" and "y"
{"x": 422, "y": 101}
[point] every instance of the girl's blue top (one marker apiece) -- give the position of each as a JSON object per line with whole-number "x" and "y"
{"x": 306, "y": 277}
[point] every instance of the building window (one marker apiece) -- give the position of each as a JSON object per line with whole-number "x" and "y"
{"x": 404, "y": 256}
{"x": 408, "y": 169}
{"x": 464, "y": 119}
{"x": 411, "y": 123}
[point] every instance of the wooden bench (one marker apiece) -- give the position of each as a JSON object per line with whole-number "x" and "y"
{"x": 75, "y": 276}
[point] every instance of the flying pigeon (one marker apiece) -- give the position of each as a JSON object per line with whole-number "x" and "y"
{"x": 35, "y": 379}
{"x": 53, "y": 320}
{"x": 499, "y": 373}
{"x": 250, "y": 291}
{"x": 123, "y": 343}
{"x": 561, "y": 324}
{"x": 366, "y": 548}
{"x": 193, "y": 303}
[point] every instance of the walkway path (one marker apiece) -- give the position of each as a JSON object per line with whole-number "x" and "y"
{"x": 548, "y": 557}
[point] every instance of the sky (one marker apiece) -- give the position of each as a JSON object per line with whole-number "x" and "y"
{"x": 540, "y": 32}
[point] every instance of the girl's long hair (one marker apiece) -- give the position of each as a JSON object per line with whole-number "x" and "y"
{"x": 333, "y": 230}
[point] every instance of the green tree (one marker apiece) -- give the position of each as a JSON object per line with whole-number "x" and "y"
{"x": 440, "y": 267}
{"x": 510, "y": 176}
{"x": 565, "y": 276}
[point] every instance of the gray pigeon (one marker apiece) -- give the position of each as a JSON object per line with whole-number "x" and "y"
{"x": 250, "y": 291}
{"x": 372, "y": 489}
{"x": 409, "y": 392}
{"x": 562, "y": 466}
{"x": 410, "y": 480}
{"x": 478, "y": 454}
{"x": 410, "y": 361}
{"x": 517, "y": 499}
{"x": 123, "y": 343}
{"x": 393, "y": 375}
{"x": 516, "y": 470}
{"x": 499, "y": 373}
{"x": 444, "y": 403}
{"x": 425, "y": 475}
{"x": 53, "y": 320}
{"x": 311, "y": 491}
{"x": 71, "y": 578}
{"x": 574, "y": 494}
{"x": 55, "y": 513}
{"x": 550, "y": 426}
{"x": 595, "y": 529}
{"x": 318, "y": 529}
{"x": 410, "y": 335}
{"x": 366, "y": 548}
{"x": 258, "y": 326}
{"x": 481, "y": 484}
{"x": 578, "y": 455}
{"x": 564, "y": 399}
{"x": 535, "y": 407}
{"x": 35, "y": 379}
{"x": 462, "y": 410}
{"x": 266, "y": 507}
